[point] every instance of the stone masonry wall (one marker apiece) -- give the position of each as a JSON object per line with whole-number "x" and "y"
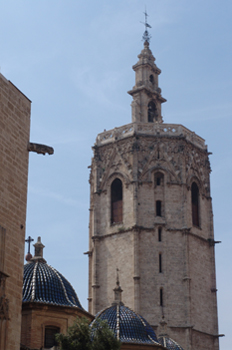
{"x": 187, "y": 278}
{"x": 14, "y": 138}
{"x": 35, "y": 317}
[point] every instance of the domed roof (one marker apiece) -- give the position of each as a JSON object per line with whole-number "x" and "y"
{"x": 44, "y": 284}
{"x": 127, "y": 325}
{"x": 169, "y": 343}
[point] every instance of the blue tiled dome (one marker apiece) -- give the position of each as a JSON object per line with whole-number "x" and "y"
{"x": 169, "y": 343}
{"x": 127, "y": 325}
{"x": 44, "y": 284}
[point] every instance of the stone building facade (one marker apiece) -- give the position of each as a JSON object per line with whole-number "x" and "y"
{"x": 14, "y": 138}
{"x": 151, "y": 217}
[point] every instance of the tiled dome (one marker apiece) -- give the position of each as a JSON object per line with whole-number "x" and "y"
{"x": 127, "y": 325}
{"x": 44, "y": 284}
{"x": 169, "y": 343}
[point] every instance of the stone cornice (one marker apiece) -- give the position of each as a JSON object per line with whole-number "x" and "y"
{"x": 150, "y": 129}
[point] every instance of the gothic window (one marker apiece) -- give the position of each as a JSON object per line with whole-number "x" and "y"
{"x": 151, "y": 79}
{"x": 49, "y": 339}
{"x": 159, "y": 179}
{"x": 160, "y": 234}
{"x": 160, "y": 262}
{"x": 152, "y": 112}
{"x": 161, "y": 297}
{"x": 116, "y": 201}
{"x": 158, "y": 208}
{"x": 195, "y": 204}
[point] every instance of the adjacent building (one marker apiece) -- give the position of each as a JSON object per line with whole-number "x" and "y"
{"x": 15, "y": 110}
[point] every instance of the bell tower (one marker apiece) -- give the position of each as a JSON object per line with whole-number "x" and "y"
{"x": 151, "y": 217}
{"x": 147, "y": 99}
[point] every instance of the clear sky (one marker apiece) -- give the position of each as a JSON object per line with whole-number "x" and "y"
{"x": 73, "y": 59}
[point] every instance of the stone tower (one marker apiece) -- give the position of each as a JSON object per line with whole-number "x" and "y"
{"x": 151, "y": 217}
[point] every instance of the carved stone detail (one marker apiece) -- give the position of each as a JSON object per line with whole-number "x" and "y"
{"x": 4, "y": 308}
{"x": 197, "y": 165}
{"x": 178, "y": 158}
{"x": 39, "y": 148}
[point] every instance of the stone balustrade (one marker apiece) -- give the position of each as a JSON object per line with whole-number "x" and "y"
{"x": 149, "y": 129}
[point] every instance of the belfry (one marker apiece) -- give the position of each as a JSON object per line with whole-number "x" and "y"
{"x": 151, "y": 217}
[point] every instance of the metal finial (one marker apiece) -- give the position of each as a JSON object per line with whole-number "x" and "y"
{"x": 117, "y": 291}
{"x": 146, "y": 35}
{"x": 29, "y": 240}
{"x": 117, "y": 280}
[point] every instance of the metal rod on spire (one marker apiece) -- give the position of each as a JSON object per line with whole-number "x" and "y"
{"x": 146, "y": 35}
{"x": 117, "y": 279}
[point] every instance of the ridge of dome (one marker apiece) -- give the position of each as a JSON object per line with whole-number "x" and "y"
{"x": 44, "y": 284}
{"x": 169, "y": 343}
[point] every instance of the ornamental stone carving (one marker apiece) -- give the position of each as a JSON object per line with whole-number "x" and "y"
{"x": 4, "y": 308}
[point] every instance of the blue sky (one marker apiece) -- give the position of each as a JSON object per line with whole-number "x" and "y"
{"x": 74, "y": 60}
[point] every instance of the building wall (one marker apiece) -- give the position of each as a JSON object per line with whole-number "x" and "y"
{"x": 36, "y": 316}
{"x": 189, "y": 310}
{"x": 14, "y": 138}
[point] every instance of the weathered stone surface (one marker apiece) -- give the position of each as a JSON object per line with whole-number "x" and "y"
{"x": 14, "y": 138}
{"x": 135, "y": 154}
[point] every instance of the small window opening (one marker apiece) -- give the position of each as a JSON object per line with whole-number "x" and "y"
{"x": 49, "y": 340}
{"x": 195, "y": 204}
{"x": 151, "y": 78}
{"x": 160, "y": 234}
{"x": 159, "y": 179}
{"x": 160, "y": 262}
{"x": 158, "y": 208}
{"x": 152, "y": 112}
{"x": 161, "y": 297}
{"x": 116, "y": 201}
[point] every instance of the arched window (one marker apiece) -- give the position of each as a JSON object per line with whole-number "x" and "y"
{"x": 159, "y": 179}
{"x": 195, "y": 204}
{"x": 151, "y": 79}
{"x": 116, "y": 201}
{"x": 152, "y": 112}
{"x": 49, "y": 337}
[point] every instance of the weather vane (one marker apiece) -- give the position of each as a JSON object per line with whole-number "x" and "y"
{"x": 146, "y": 35}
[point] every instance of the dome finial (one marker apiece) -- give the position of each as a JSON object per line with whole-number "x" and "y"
{"x": 146, "y": 35}
{"x": 39, "y": 251}
{"x": 117, "y": 291}
{"x": 29, "y": 240}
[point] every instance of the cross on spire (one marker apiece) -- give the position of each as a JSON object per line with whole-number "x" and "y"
{"x": 146, "y": 35}
{"x": 29, "y": 240}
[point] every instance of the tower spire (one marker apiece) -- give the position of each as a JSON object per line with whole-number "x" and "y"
{"x": 147, "y": 98}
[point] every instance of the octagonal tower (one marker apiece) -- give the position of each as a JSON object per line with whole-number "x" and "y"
{"x": 151, "y": 217}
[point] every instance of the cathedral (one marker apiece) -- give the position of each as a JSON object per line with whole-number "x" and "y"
{"x": 150, "y": 220}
